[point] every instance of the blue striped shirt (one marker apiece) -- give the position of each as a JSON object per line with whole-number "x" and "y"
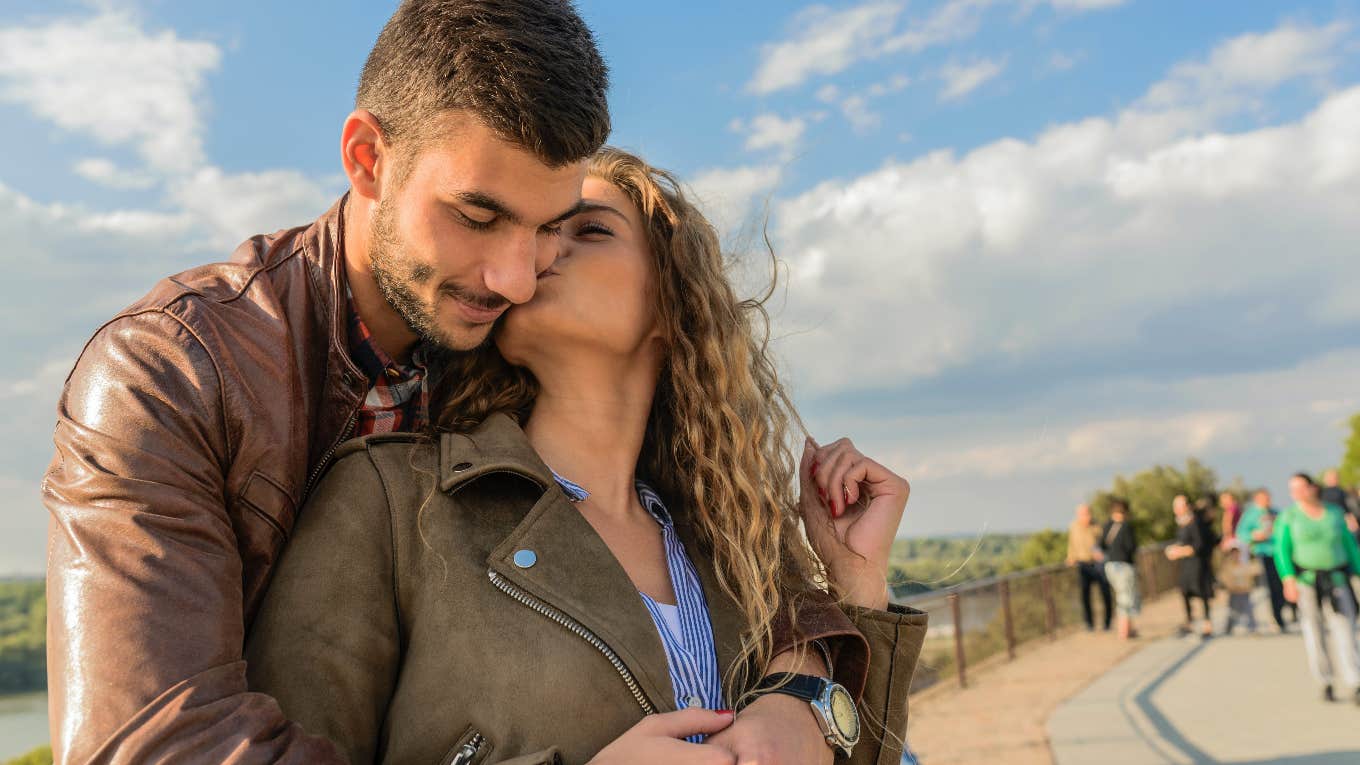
{"x": 690, "y": 655}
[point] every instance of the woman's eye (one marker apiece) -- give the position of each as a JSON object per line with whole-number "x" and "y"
{"x": 591, "y": 227}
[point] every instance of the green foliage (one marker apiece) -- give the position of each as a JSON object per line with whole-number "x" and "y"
{"x": 40, "y": 756}
{"x": 931, "y": 563}
{"x": 1349, "y": 469}
{"x": 1149, "y": 495}
{"x": 23, "y": 636}
{"x": 1041, "y": 549}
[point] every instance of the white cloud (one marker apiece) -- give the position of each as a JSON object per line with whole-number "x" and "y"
{"x": 106, "y": 173}
{"x": 770, "y": 131}
{"x": 107, "y": 77}
{"x": 856, "y": 110}
{"x": 1239, "y": 70}
{"x": 1061, "y": 62}
{"x": 727, "y": 195}
{"x": 1084, "y": 5}
{"x": 962, "y": 79}
{"x": 227, "y": 207}
{"x": 1094, "y": 235}
{"x": 823, "y": 42}
{"x": 1111, "y": 444}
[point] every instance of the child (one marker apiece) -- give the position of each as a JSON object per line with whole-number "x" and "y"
{"x": 1239, "y": 577}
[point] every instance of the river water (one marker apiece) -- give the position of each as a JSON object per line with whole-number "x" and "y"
{"x": 23, "y": 723}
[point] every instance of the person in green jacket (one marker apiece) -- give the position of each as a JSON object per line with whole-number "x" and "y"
{"x": 1256, "y": 531}
{"x": 1316, "y": 556}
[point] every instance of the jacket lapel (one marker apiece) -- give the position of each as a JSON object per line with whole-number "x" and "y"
{"x": 571, "y": 569}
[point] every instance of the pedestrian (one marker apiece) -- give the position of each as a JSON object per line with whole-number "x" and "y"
{"x": 1316, "y": 555}
{"x": 1119, "y": 545}
{"x": 1232, "y": 515}
{"x": 1256, "y": 531}
{"x": 1083, "y": 553}
{"x": 1238, "y": 574}
{"x": 1193, "y": 551}
{"x": 1332, "y": 493}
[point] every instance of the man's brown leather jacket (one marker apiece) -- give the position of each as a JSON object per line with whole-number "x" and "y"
{"x": 190, "y": 431}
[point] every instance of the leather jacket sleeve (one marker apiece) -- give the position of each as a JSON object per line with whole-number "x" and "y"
{"x": 145, "y": 622}
{"x": 895, "y": 638}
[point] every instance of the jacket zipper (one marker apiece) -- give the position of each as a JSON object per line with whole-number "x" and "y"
{"x": 578, "y": 629}
{"x": 326, "y": 458}
{"x": 469, "y": 750}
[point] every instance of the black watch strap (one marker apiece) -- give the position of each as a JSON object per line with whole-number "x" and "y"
{"x": 805, "y": 687}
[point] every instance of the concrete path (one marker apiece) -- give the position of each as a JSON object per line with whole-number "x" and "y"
{"x": 1240, "y": 700}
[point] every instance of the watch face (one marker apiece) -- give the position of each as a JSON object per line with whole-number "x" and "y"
{"x": 844, "y": 714}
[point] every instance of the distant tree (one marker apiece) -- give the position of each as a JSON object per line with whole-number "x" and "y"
{"x": 1349, "y": 469}
{"x": 1149, "y": 495}
{"x": 40, "y": 756}
{"x": 1041, "y": 549}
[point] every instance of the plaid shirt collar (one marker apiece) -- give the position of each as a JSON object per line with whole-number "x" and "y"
{"x": 398, "y": 396}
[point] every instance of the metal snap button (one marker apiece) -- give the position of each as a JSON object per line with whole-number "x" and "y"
{"x": 525, "y": 558}
{"x": 460, "y": 467}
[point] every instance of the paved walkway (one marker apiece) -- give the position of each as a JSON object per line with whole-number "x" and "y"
{"x": 1240, "y": 700}
{"x": 999, "y": 719}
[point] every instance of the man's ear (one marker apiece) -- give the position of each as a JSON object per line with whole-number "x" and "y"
{"x": 364, "y": 152}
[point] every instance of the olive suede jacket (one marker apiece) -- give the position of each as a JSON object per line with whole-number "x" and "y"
{"x": 400, "y": 625}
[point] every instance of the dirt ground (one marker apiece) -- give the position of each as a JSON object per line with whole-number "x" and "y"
{"x": 1000, "y": 717}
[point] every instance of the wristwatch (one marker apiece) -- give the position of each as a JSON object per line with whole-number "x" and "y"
{"x": 832, "y": 705}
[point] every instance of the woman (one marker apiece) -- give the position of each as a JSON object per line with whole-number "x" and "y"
{"x": 1193, "y": 550}
{"x": 1119, "y": 549}
{"x": 525, "y": 594}
{"x": 1316, "y": 556}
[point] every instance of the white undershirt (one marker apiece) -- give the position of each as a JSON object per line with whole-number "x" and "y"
{"x": 672, "y": 616}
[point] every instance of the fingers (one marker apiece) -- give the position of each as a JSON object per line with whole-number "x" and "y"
{"x": 841, "y": 473}
{"x": 685, "y": 722}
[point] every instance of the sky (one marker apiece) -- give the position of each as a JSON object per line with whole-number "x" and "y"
{"x": 1027, "y": 245}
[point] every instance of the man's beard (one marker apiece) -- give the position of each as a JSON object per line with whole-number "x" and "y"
{"x": 396, "y": 277}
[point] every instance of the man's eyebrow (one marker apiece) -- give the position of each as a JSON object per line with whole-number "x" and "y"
{"x": 488, "y": 203}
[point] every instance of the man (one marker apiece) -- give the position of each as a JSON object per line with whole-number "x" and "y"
{"x": 196, "y": 422}
{"x": 1333, "y": 494}
{"x": 1255, "y": 531}
{"x": 1083, "y": 552}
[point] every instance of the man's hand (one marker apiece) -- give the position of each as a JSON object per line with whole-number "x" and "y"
{"x": 775, "y": 729}
{"x": 1291, "y": 589}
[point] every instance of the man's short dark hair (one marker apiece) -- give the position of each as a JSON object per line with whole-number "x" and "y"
{"x": 1118, "y": 504}
{"x": 528, "y": 69}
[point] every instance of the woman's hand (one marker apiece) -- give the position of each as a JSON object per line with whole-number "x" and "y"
{"x": 852, "y": 507}
{"x": 1291, "y": 589}
{"x": 659, "y": 740}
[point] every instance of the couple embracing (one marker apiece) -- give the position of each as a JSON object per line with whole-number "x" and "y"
{"x": 489, "y": 464}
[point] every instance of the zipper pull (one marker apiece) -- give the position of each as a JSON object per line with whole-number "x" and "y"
{"x": 467, "y": 751}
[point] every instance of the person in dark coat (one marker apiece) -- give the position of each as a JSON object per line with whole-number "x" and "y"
{"x": 1193, "y": 550}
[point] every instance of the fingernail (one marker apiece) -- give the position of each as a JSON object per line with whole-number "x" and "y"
{"x": 724, "y": 711}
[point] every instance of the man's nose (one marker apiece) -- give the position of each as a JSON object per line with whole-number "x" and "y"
{"x": 513, "y": 274}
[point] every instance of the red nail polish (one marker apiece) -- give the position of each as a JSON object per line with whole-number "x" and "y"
{"x": 724, "y": 711}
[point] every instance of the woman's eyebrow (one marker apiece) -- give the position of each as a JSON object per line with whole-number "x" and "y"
{"x": 588, "y": 206}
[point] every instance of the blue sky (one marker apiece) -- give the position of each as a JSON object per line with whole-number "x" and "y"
{"x": 1029, "y": 243}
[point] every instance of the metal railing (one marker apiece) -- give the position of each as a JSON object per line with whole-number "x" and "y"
{"x": 978, "y": 621}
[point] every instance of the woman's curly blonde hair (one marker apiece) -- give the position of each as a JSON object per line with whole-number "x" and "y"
{"x": 717, "y": 438}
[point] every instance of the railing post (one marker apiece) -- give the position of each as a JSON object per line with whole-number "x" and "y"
{"x": 1006, "y": 620}
{"x": 1050, "y": 608}
{"x": 958, "y": 638}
